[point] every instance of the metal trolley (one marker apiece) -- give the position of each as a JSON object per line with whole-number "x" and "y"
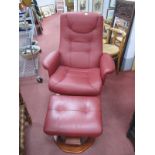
{"x": 28, "y": 67}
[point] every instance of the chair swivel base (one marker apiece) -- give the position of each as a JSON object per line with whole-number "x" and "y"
{"x": 68, "y": 147}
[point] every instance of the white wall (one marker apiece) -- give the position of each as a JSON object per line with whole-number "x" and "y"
{"x": 105, "y": 7}
{"x": 65, "y": 7}
{"x": 130, "y": 50}
{"x": 90, "y": 5}
{"x": 75, "y": 5}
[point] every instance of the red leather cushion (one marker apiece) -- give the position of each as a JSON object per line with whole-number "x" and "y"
{"x": 73, "y": 116}
{"x": 80, "y": 39}
{"x": 74, "y": 81}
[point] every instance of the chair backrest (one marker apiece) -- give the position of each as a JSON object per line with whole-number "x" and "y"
{"x": 80, "y": 39}
{"x": 118, "y": 36}
{"x": 106, "y": 33}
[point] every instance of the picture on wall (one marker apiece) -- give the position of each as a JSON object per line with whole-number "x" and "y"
{"x": 110, "y": 15}
{"x": 112, "y": 3}
{"x": 98, "y": 6}
{"x": 121, "y": 24}
{"x": 47, "y": 10}
{"x": 83, "y": 5}
{"x": 70, "y": 5}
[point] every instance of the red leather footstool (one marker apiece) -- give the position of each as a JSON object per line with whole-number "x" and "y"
{"x": 74, "y": 121}
{"x": 74, "y": 116}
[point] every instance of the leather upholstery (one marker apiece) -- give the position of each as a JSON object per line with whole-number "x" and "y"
{"x": 51, "y": 62}
{"x": 81, "y": 39}
{"x": 79, "y": 64}
{"x": 106, "y": 65}
{"x": 73, "y": 116}
{"x": 75, "y": 81}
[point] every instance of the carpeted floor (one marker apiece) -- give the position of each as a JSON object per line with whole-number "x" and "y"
{"x": 117, "y": 106}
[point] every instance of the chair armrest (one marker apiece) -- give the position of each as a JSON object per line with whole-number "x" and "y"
{"x": 106, "y": 65}
{"x": 51, "y": 62}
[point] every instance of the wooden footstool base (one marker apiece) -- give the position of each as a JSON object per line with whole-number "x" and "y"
{"x": 71, "y": 148}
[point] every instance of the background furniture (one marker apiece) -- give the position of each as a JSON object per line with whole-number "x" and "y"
{"x": 47, "y": 10}
{"x": 106, "y": 33}
{"x": 59, "y": 6}
{"x": 131, "y": 131}
{"x": 26, "y": 35}
{"x": 33, "y": 14}
{"x": 116, "y": 45}
{"x": 112, "y": 3}
{"x": 24, "y": 117}
{"x": 110, "y": 15}
{"x": 37, "y": 20}
{"x": 123, "y": 19}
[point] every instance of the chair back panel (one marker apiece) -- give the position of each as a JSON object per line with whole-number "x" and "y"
{"x": 80, "y": 39}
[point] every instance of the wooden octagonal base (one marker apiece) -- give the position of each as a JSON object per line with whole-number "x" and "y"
{"x": 68, "y": 148}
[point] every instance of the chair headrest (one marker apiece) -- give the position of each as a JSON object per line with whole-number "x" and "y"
{"x": 81, "y": 22}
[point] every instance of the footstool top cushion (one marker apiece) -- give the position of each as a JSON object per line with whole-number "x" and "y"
{"x": 73, "y": 116}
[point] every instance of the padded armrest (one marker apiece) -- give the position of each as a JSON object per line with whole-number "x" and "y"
{"x": 51, "y": 62}
{"x": 106, "y": 65}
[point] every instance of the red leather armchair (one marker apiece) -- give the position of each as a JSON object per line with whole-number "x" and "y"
{"x": 79, "y": 66}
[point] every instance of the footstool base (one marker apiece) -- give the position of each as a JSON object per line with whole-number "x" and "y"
{"x": 68, "y": 148}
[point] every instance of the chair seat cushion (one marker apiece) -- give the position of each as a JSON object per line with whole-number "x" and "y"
{"x": 104, "y": 41}
{"x": 74, "y": 116}
{"x": 75, "y": 81}
{"x": 110, "y": 49}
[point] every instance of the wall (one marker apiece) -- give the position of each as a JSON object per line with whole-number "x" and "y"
{"x": 90, "y": 5}
{"x": 75, "y": 5}
{"x": 130, "y": 50}
{"x": 105, "y": 7}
